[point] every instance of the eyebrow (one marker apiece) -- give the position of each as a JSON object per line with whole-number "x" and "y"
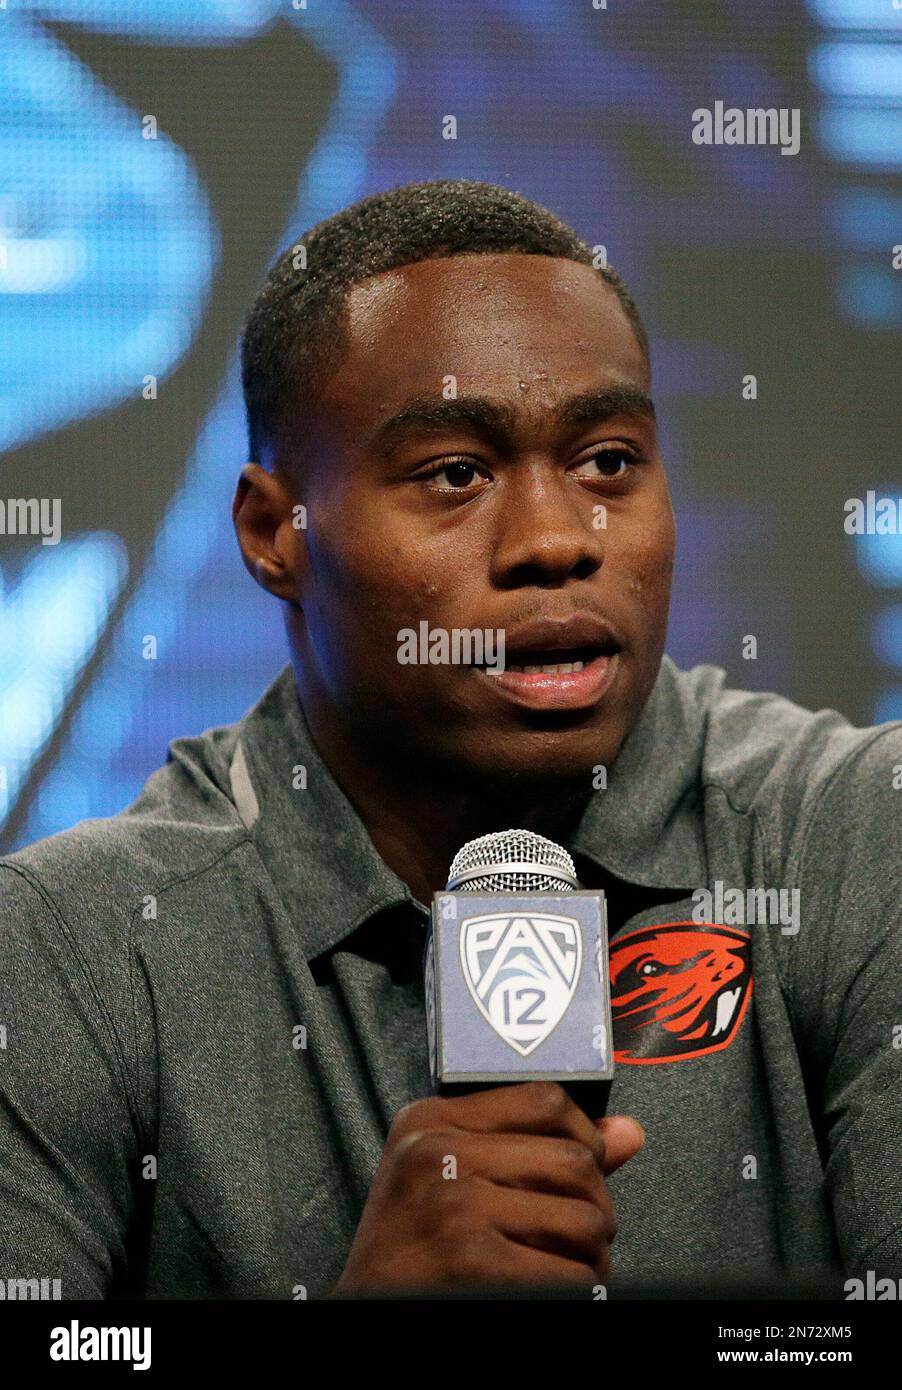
{"x": 432, "y": 414}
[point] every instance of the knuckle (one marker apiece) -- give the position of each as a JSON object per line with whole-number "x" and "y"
{"x": 578, "y": 1160}
{"x": 407, "y": 1146}
{"x": 595, "y": 1224}
{"x": 451, "y": 1198}
{"x": 549, "y": 1098}
{"x": 415, "y": 1115}
{"x": 609, "y": 1224}
{"x": 424, "y": 1148}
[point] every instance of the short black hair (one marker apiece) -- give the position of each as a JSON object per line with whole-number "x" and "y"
{"x": 294, "y": 337}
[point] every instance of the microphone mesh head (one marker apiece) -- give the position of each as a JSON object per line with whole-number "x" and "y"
{"x": 512, "y": 861}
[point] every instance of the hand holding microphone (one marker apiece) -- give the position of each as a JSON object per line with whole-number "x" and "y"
{"x": 505, "y": 1186}
{"x": 489, "y": 1182}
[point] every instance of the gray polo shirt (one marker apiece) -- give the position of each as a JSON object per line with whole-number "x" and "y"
{"x": 211, "y": 1007}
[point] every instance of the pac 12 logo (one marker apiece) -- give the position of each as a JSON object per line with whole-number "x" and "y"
{"x": 522, "y": 970}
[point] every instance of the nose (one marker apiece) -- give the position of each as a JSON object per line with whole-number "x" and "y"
{"x": 545, "y": 534}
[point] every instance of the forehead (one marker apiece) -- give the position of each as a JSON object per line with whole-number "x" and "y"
{"x": 496, "y": 323}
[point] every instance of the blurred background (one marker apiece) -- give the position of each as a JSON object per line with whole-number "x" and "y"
{"x": 154, "y": 159}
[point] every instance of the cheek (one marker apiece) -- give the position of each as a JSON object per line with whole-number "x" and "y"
{"x": 646, "y": 563}
{"x": 384, "y": 580}
{"x": 645, "y": 553}
{"x": 364, "y": 555}
{"x": 364, "y": 587}
{"x": 648, "y": 577}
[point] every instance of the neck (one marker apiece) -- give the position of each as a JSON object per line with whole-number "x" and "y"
{"x": 419, "y": 815}
{"x": 419, "y": 827}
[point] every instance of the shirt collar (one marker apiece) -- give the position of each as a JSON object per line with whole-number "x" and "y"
{"x": 319, "y": 855}
{"x": 644, "y": 826}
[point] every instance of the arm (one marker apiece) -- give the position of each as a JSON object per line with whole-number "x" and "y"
{"x": 70, "y": 1141}
{"x": 846, "y": 998}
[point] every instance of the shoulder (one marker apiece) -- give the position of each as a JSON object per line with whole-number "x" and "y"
{"x": 764, "y": 750}
{"x": 70, "y": 906}
{"x": 88, "y": 881}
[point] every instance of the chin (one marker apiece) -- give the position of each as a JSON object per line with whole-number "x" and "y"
{"x": 542, "y": 757}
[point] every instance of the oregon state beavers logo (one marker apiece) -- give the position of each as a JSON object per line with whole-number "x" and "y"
{"x": 678, "y": 990}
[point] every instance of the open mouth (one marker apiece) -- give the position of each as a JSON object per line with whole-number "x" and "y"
{"x": 554, "y": 662}
{"x": 561, "y": 678}
{"x": 551, "y": 660}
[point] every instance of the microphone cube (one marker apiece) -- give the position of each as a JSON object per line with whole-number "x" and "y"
{"x": 517, "y": 989}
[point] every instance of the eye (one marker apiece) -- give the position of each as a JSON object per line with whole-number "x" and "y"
{"x": 460, "y": 474}
{"x": 611, "y": 463}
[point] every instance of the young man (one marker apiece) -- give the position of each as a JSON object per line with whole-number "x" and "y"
{"x": 215, "y": 1078}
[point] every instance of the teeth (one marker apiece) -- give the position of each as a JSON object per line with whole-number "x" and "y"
{"x": 562, "y": 668}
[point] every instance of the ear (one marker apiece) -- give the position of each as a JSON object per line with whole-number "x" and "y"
{"x": 273, "y": 549}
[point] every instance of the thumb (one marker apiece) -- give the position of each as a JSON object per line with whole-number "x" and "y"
{"x": 623, "y": 1138}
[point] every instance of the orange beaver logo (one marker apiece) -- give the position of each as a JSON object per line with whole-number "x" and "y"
{"x": 678, "y": 990}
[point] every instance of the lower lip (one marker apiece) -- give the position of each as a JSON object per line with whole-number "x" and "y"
{"x": 564, "y": 690}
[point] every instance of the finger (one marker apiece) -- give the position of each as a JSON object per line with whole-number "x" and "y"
{"x": 516, "y": 1263}
{"x": 529, "y": 1107}
{"x": 623, "y": 1136}
{"x": 563, "y": 1226}
{"x": 530, "y": 1162}
{"x": 496, "y": 1259}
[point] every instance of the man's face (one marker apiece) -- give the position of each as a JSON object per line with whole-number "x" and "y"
{"x": 508, "y": 512}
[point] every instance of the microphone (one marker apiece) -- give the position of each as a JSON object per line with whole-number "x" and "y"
{"x": 516, "y": 973}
